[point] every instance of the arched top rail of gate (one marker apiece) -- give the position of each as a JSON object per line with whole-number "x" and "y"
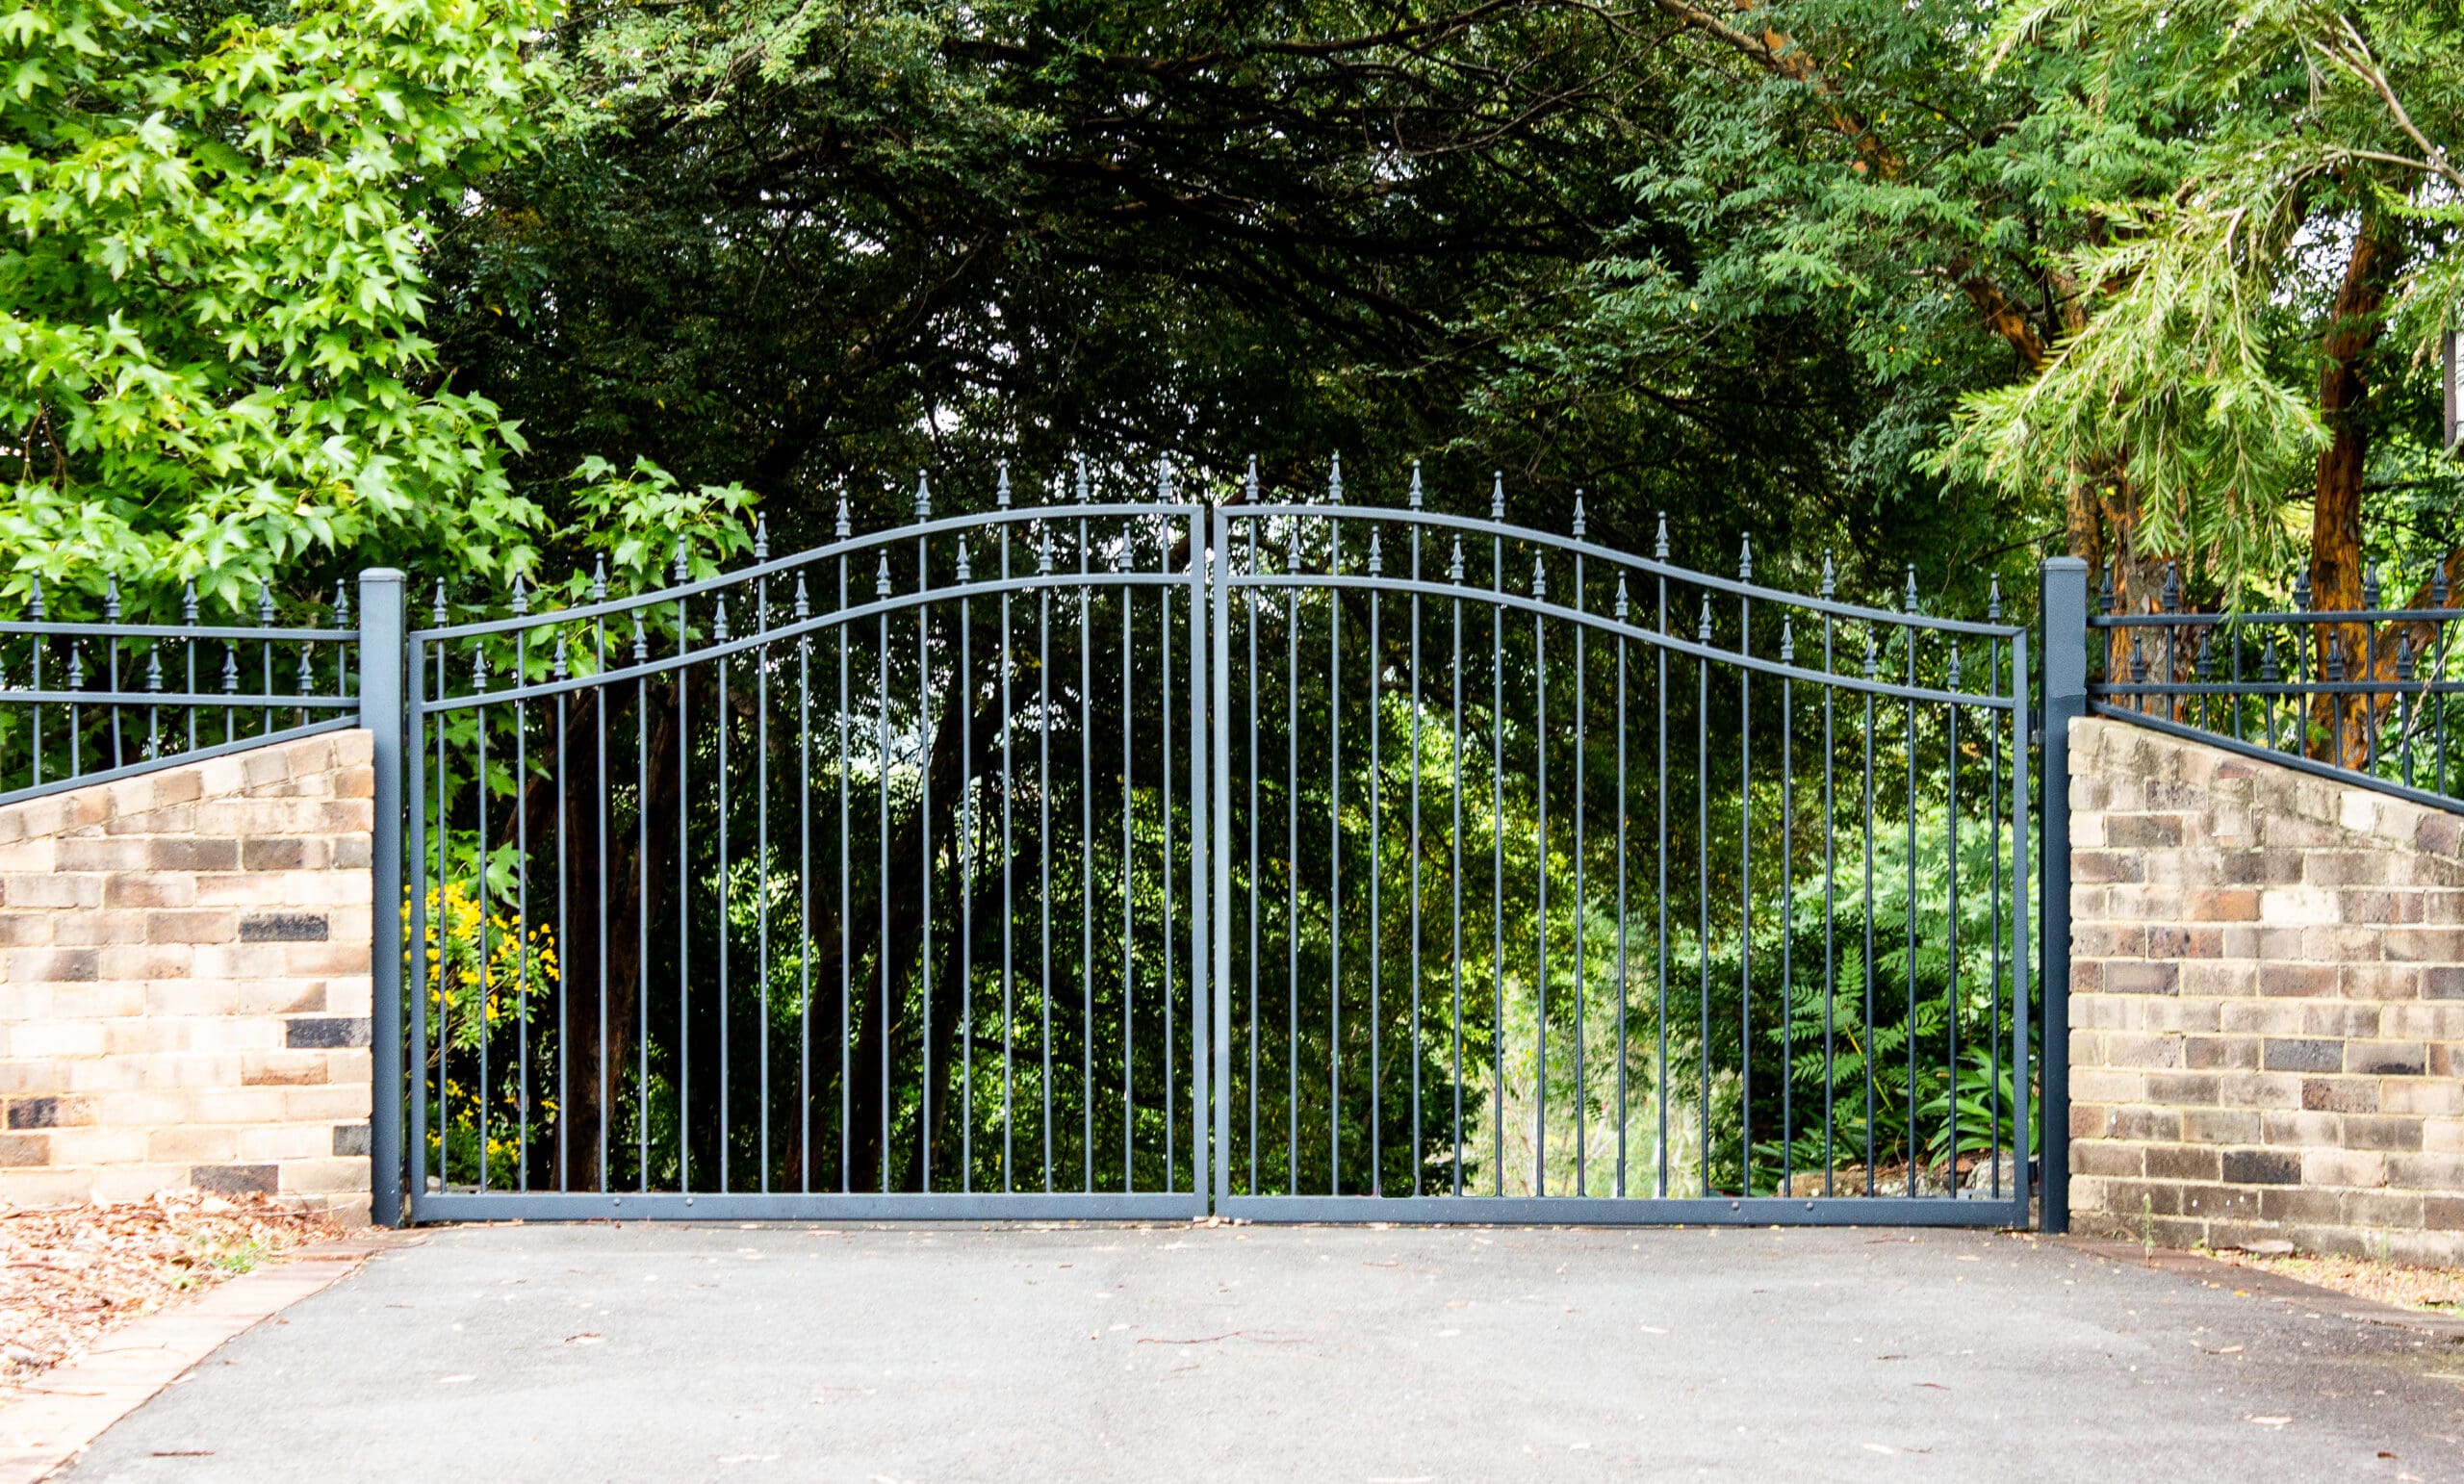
{"x": 1898, "y": 653}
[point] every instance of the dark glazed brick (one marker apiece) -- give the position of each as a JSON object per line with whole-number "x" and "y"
{"x": 285, "y": 928}
{"x": 2261, "y": 1166}
{"x": 349, "y": 1139}
{"x": 2304, "y": 1056}
{"x": 324, "y": 1032}
{"x": 35, "y": 1112}
{"x": 17, "y": 1151}
{"x": 235, "y": 1179}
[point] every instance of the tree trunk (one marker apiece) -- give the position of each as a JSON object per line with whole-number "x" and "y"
{"x": 2340, "y": 729}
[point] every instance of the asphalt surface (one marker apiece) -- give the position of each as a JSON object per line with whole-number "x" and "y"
{"x": 790, "y": 1352}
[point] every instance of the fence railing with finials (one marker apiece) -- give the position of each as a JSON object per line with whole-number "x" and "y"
{"x": 91, "y": 691}
{"x": 2366, "y": 695}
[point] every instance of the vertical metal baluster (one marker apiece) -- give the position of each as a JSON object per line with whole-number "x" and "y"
{"x": 1659, "y": 810}
{"x": 726, "y": 1007}
{"x": 111, "y": 663}
{"x": 1292, "y": 856}
{"x": 443, "y": 877}
{"x": 761, "y": 824}
{"x": 35, "y": 614}
{"x": 600, "y": 814}
{"x": 188, "y": 649}
{"x": 1412, "y": 1162}
{"x": 1043, "y": 825}
{"x": 1583, "y": 1099}
{"x": 1787, "y": 911}
{"x": 1951, "y": 945}
{"x": 1086, "y": 854}
{"x": 1009, "y": 872}
{"x": 968, "y": 845}
{"x": 1455, "y": 1146}
{"x": 1376, "y": 860}
{"x": 230, "y": 711}
{"x": 642, "y": 918}
{"x": 846, "y": 850}
{"x": 881, "y": 747}
{"x": 76, "y": 708}
{"x": 1334, "y": 837}
{"x": 805, "y": 936}
{"x": 1250, "y": 491}
{"x": 1164, "y": 741}
{"x": 2438, "y": 598}
{"x": 1872, "y": 669}
{"x": 1128, "y": 863}
{"x": 1703, "y": 875}
{"x": 1830, "y": 883}
{"x": 923, "y": 839}
{"x": 153, "y": 712}
{"x": 1745, "y": 874}
{"x": 264, "y": 654}
{"x": 1624, "y": 613}
{"x": 1497, "y": 826}
{"x": 1993, "y": 812}
{"x": 1908, "y": 632}
{"x": 479, "y": 774}
{"x": 681, "y": 574}
{"x": 556, "y": 671}
{"x": 415, "y": 753}
{"x": 521, "y": 893}
{"x": 1540, "y": 915}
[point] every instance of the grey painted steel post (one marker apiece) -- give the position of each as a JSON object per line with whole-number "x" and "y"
{"x": 380, "y": 712}
{"x": 1220, "y": 849}
{"x": 2063, "y": 594}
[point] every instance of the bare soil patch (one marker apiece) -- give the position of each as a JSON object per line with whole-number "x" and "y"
{"x": 2425, "y": 1289}
{"x": 70, "y": 1275}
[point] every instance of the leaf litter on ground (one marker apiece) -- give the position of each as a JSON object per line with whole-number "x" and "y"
{"x": 72, "y": 1274}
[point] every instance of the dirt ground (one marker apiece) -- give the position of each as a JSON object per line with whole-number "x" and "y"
{"x": 72, "y": 1274}
{"x": 2427, "y": 1290}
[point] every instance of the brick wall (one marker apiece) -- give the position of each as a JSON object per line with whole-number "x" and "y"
{"x": 184, "y": 981}
{"x": 2267, "y": 1011}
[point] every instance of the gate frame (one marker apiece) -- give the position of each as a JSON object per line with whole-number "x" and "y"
{"x": 391, "y": 709}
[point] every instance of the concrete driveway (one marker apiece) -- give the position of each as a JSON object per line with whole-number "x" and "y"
{"x": 719, "y": 1352}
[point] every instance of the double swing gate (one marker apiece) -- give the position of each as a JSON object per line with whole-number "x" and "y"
{"x": 1278, "y": 859}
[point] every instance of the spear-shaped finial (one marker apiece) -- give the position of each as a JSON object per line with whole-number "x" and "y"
{"x": 1539, "y": 578}
{"x": 558, "y": 669}
{"x": 1622, "y": 606}
{"x": 77, "y": 666}
{"x": 641, "y": 640}
{"x": 923, "y": 497}
{"x": 719, "y": 621}
{"x": 2335, "y": 659}
{"x": 265, "y": 604}
{"x": 230, "y": 668}
{"x": 598, "y": 577}
{"x": 1335, "y": 480}
{"x": 2404, "y": 657}
{"x": 761, "y": 537}
{"x": 1955, "y": 667}
{"x": 1993, "y": 600}
{"x": 1830, "y": 576}
{"x": 1703, "y": 627}
{"x": 2267, "y": 662}
{"x": 2370, "y": 586}
{"x": 1086, "y": 491}
{"x": 1454, "y": 567}
{"x": 1001, "y": 485}
{"x": 1873, "y": 655}
{"x": 1580, "y": 523}
{"x": 1376, "y": 555}
{"x": 842, "y": 529}
{"x": 2438, "y": 586}
{"x": 1497, "y": 495}
{"x": 2138, "y": 662}
{"x": 301, "y": 673}
{"x": 1413, "y": 497}
{"x": 804, "y": 602}
{"x": 683, "y": 572}
{"x": 1044, "y": 553}
{"x": 1910, "y": 598}
{"x": 1163, "y": 480}
{"x": 964, "y": 571}
{"x": 1659, "y": 539}
{"x": 520, "y": 597}
{"x": 187, "y": 600}
{"x": 478, "y": 669}
{"x": 1745, "y": 558}
{"x": 436, "y": 609}
{"x": 2105, "y": 589}
{"x": 111, "y": 600}
{"x": 1250, "y": 485}
{"x": 2207, "y": 654}
{"x": 2302, "y": 591}
{"x": 1789, "y": 645}
{"x": 2173, "y": 590}
{"x": 881, "y": 578}
{"x": 154, "y": 668}
{"x": 34, "y": 600}
{"x": 342, "y": 605}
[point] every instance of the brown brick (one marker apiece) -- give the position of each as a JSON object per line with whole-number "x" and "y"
{"x": 2106, "y": 865}
{"x": 2144, "y": 830}
{"x": 280, "y": 854}
{"x": 2386, "y": 1059}
{"x": 34, "y": 1113}
{"x": 196, "y": 925}
{"x": 24, "y": 1151}
{"x": 2385, "y": 1134}
{"x": 51, "y": 966}
{"x": 2323, "y": 1208}
{"x": 2305, "y": 1130}
{"x": 237, "y": 1179}
{"x": 2195, "y": 1089}
{"x": 2297, "y": 979}
{"x": 2223, "y": 905}
{"x": 2220, "y": 1125}
{"x": 2339, "y": 1094}
{"x": 2211, "y": 1053}
{"x": 2126, "y": 978}
{"x": 192, "y": 854}
{"x": 2184, "y": 1162}
{"x": 2443, "y": 982}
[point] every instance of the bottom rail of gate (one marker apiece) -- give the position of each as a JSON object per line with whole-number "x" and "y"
{"x": 1628, "y": 1210}
{"x": 747, "y": 1206}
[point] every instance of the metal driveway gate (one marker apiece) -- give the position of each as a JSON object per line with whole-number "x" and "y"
{"x": 1288, "y": 860}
